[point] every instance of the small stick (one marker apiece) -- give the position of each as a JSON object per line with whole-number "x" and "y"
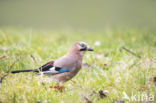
{"x": 131, "y": 52}
{"x": 87, "y": 100}
{"x": 33, "y": 58}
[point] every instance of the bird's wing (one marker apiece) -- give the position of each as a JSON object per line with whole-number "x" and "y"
{"x": 49, "y": 68}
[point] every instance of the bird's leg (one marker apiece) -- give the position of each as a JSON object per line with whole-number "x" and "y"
{"x": 59, "y": 87}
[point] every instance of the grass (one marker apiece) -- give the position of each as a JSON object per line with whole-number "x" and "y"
{"x": 110, "y": 69}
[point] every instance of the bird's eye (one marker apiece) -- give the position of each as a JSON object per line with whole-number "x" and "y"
{"x": 82, "y": 45}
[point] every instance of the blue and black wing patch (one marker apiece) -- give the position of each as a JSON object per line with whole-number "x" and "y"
{"x": 50, "y": 69}
{"x": 55, "y": 70}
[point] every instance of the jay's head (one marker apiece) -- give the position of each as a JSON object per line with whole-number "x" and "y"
{"x": 80, "y": 47}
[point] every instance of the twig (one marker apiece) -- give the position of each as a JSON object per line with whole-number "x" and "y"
{"x": 134, "y": 64}
{"x": 131, "y": 52}
{"x": 33, "y": 58}
{"x": 7, "y": 73}
{"x": 87, "y": 100}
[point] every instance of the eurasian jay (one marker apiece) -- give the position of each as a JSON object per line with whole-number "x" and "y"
{"x": 66, "y": 67}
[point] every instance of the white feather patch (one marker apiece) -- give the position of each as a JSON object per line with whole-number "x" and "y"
{"x": 51, "y": 71}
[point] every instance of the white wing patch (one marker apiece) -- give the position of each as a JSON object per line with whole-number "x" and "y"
{"x": 51, "y": 71}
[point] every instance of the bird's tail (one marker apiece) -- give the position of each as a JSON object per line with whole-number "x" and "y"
{"x": 27, "y": 70}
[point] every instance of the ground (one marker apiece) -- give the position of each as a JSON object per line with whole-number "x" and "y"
{"x": 122, "y": 66}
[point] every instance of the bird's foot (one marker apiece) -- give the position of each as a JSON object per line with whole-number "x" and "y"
{"x": 58, "y": 88}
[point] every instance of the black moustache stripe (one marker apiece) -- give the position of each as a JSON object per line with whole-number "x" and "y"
{"x": 84, "y": 49}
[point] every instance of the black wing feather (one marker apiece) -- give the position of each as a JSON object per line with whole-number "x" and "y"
{"x": 45, "y": 67}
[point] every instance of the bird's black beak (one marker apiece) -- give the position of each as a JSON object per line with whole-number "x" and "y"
{"x": 90, "y": 49}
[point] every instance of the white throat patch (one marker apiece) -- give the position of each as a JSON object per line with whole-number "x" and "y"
{"x": 82, "y": 53}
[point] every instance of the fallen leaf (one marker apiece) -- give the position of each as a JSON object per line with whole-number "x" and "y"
{"x": 102, "y": 94}
{"x": 3, "y": 56}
